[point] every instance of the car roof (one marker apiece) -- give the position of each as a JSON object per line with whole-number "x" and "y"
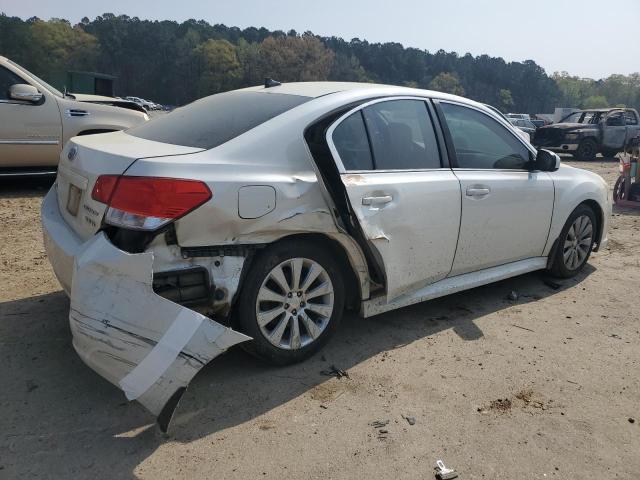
{"x": 320, "y": 89}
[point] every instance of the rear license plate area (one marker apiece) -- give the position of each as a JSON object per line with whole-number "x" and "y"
{"x": 73, "y": 200}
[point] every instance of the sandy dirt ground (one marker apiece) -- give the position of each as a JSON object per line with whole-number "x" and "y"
{"x": 544, "y": 386}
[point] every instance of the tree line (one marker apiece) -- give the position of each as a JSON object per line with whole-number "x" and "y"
{"x": 175, "y": 63}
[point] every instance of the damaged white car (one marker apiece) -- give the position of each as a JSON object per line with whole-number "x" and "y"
{"x": 257, "y": 216}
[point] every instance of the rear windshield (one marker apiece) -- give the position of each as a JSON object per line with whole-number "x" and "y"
{"x": 214, "y": 120}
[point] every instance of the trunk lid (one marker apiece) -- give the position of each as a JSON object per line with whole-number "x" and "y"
{"x": 85, "y": 158}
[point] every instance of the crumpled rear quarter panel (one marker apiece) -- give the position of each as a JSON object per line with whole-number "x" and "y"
{"x": 147, "y": 345}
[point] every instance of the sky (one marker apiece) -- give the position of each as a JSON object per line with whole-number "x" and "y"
{"x": 588, "y": 38}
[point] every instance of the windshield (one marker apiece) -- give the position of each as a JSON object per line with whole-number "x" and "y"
{"x": 583, "y": 117}
{"x": 212, "y": 121}
{"x": 53, "y": 90}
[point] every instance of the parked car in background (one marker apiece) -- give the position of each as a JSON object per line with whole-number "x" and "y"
{"x": 524, "y": 125}
{"x": 146, "y": 104}
{"x": 36, "y": 120}
{"x": 523, "y": 116}
{"x": 143, "y": 103}
{"x": 273, "y": 208}
{"x": 585, "y": 133}
{"x": 525, "y": 135}
{"x": 538, "y": 122}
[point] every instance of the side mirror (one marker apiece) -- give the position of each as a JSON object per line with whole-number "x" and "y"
{"x": 24, "y": 92}
{"x": 546, "y": 161}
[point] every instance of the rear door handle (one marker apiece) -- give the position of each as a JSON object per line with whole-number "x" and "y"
{"x": 377, "y": 200}
{"x": 478, "y": 191}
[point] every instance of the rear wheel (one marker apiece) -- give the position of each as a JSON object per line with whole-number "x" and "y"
{"x": 292, "y": 302}
{"x": 587, "y": 149}
{"x": 575, "y": 243}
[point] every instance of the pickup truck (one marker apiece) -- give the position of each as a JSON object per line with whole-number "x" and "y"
{"x": 585, "y": 133}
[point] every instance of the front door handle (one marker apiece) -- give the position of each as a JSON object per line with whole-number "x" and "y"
{"x": 377, "y": 200}
{"x": 478, "y": 191}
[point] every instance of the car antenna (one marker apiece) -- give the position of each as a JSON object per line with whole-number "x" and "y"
{"x": 270, "y": 82}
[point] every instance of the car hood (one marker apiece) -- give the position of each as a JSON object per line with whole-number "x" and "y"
{"x": 84, "y": 97}
{"x": 569, "y": 126}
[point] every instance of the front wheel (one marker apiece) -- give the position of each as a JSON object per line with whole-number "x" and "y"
{"x": 587, "y": 150}
{"x": 292, "y": 302}
{"x": 575, "y": 243}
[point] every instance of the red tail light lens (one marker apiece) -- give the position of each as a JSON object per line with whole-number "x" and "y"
{"x": 147, "y": 203}
{"x": 104, "y": 187}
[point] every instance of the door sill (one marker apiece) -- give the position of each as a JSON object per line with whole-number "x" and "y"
{"x": 455, "y": 284}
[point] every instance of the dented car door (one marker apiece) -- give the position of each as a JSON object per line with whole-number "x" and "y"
{"x": 407, "y": 204}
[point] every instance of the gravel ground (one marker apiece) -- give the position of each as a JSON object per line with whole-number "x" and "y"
{"x": 543, "y": 386}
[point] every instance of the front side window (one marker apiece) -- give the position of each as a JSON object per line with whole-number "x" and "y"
{"x": 615, "y": 120}
{"x": 402, "y": 136}
{"x": 7, "y": 78}
{"x": 482, "y": 143}
{"x": 350, "y": 139}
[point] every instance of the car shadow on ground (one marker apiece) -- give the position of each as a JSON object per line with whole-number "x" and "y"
{"x": 25, "y": 186}
{"x": 61, "y": 420}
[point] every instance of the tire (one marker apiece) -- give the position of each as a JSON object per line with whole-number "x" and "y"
{"x": 619, "y": 189}
{"x": 574, "y": 243}
{"x": 587, "y": 149}
{"x": 272, "y": 313}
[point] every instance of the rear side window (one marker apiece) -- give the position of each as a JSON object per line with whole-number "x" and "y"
{"x": 350, "y": 139}
{"x": 631, "y": 118}
{"x": 402, "y": 136}
{"x": 482, "y": 143}
{"x": 212, "y": 121}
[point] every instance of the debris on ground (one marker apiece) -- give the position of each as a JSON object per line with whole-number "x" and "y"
{"x": 31, "y": 386}
{"x": 513, "y": 296}
{"x": 632, "y": 420}
{"x": 379, "y": 423}
{"x": 444, "y": 473}
{"x": 410, "y": 420}
{"x": 523, "y": 328}
{"x": 334, "y": 371}
{"x": 501, "y": 405}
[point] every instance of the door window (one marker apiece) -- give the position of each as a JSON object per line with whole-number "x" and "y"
{"x": 7, "y": 78}
{"x": 615, "y": 120}
{"x": 482, "y": 143}
{"x": 402, "y": 136}
{"x": 350, "y": 139}
{"x": 631, "y": 119}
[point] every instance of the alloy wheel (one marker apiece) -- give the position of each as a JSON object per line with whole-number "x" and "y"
{"x": 295, "y": 303}
{"x": 577, "y": 242}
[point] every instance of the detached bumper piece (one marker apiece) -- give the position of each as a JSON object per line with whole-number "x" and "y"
{"x": 145, "y": 344}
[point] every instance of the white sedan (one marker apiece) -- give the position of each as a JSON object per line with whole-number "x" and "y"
{"x": 257, "y": 216}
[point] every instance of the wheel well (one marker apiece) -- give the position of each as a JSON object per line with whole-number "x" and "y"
{"x": 351, "y": 282}
{"x": 95, "y": 130}
{"x": 595, "y": 206}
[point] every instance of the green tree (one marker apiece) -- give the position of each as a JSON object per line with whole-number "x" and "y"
{"x": 295, "y": 59}
{"x": 595, "y": 101}
{"x": 58, "y": 47}
{"x": 218, "y": 65}
{"x": 448, "y": 83}
{"x": 506, "y": 100}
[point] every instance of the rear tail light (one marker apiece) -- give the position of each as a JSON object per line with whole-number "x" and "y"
{"x": 148, "y": 203}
